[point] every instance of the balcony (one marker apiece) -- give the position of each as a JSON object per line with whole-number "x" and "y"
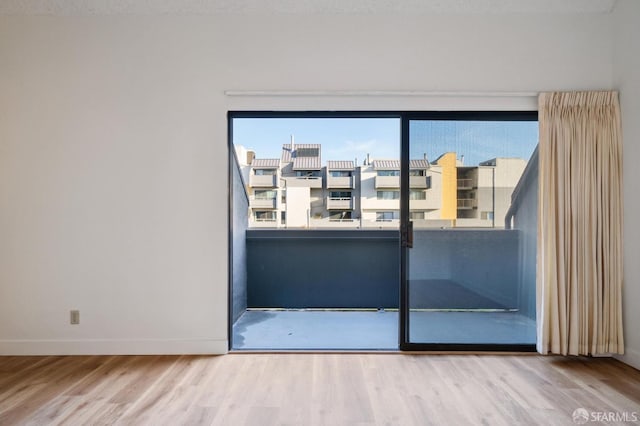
{"x": 263, "y": 203}
{"x": 466, "y": 203}
{"x": 418, "y": 182}
{"x": 461, "y": 300}
{"x": 428, "y": 204}
{"x": 458, "y": 278}
{"x": 263, "y": 181}
{"x": 340, "y": 182}
{"x": 387, "y": 182}
{"x": 312, "y": 182}
{"x": 275, "y": 281}
{"x": 339, "y": 203}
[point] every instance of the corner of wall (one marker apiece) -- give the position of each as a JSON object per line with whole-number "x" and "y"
{"x": 626, "y": 78}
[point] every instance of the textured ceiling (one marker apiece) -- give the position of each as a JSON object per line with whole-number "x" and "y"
{"x": 204, "y": 7}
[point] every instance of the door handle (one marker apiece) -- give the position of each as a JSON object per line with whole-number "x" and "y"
{"x": 407, "y": 235}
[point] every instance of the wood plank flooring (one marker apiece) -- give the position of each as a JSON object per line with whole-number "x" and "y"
{"x": 314, "y": 389}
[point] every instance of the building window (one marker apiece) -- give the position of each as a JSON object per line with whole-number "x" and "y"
{"x": 388, "y": 173}
{"x": 388, "y": 195}
{"x": 340, "y": 194}
{"x": 265, "y": 194}
{"x": 338, "y": 216}
{"x": 265, "y": 172}
{"x": 340, "y": 173}
{"x": 417, "y": 194}
{"x": 265, "y": 216}
{"x": 417, "y": 172}
{"x": 416, "y": 215}
{"x": 308, "y": 173}
{"x": 387, "y": 216}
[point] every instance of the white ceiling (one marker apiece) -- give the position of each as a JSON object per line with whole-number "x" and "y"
{"x": 204, "y": 7}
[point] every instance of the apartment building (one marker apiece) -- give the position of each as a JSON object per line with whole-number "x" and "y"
{"x": 381, "y": 192}
{"x": 298, "y": 191}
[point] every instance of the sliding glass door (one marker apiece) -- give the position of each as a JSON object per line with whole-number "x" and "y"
{"x": 468, "y": 221}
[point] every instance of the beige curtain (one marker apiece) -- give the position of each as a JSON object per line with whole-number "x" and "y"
{"x": 580, "y": 224}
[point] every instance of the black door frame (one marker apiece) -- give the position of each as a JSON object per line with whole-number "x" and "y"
{"x": 405, "y": 118}
{"x": 406, "y": 230}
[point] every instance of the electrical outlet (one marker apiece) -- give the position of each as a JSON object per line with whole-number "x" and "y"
{"x": 75, "y": 317}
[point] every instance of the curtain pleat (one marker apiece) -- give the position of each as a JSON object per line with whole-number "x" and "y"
{"x": 580, "y": 224}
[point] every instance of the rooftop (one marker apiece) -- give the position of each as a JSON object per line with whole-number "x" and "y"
{"x": 305, "y": 156}
{"x": 341, "y": 165}
{"x": 395, "y": 164}
{"x": 266, "y": 163}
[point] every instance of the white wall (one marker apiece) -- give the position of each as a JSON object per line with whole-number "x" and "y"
{"x": 627, "y": 80}
{"x": 113, "y": 151}
{"x": 298, "y": 201}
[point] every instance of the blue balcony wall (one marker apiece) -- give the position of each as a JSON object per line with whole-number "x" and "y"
{"x": 322, "y": 269}
{"x": 524, "y": 213}
{"x": 360, "y": 269}
{"x": 482, "y": 261}
{"x": 239, "y": 224}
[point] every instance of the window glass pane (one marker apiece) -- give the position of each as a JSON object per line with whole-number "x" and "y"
{"x": 327, "y": 166}
{"x": 340, "y": 194}
{"x": 388, "y": 195}
{"x": 346, "y": 215}
{"x": 265, "y": 215}
{"x": 416, "y": 194}
{"x": 387, "y": 216}
{"x": 261, "y": 194}
{"x": 265, "y": 172}
{"x": 472, "y": 266}
{"x": 388, "y": 173}
{"x": 308, "y": 173}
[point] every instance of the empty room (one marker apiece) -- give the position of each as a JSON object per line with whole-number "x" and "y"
{"x": 259, "y": 212}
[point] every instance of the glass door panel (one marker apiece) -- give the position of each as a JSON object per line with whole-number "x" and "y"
{"x": 472, "y": 202}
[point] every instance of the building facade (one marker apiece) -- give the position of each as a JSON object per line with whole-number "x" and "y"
{"x": 297, "y": 191}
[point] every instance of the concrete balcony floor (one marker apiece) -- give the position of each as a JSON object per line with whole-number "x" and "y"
{"x": 375, "y": 330}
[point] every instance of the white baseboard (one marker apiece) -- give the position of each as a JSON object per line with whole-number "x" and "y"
{"x": 631, "y": 357}
{"x": 114, "y": 347}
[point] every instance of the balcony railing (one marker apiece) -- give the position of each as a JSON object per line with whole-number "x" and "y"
{"x": 419, "y": 182}
{"x": 305, "y": 181}
{"x": 263, "y": 181}
{"x": 466, "y": 203}
{"x": 339, "y": 203}
{"x": 426, "y": 204}
{"x": 387, "y": 182}
{"x": 340, "y": 182}
{"x": 276, "y": 258}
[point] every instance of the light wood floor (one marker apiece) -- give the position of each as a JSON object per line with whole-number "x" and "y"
{"x": 309, "y": 389}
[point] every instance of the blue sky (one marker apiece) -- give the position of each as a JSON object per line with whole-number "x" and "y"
{"x": 351, "y": 138}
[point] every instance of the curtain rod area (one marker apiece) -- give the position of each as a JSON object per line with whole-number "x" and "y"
{"x": 378, "y": 93}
